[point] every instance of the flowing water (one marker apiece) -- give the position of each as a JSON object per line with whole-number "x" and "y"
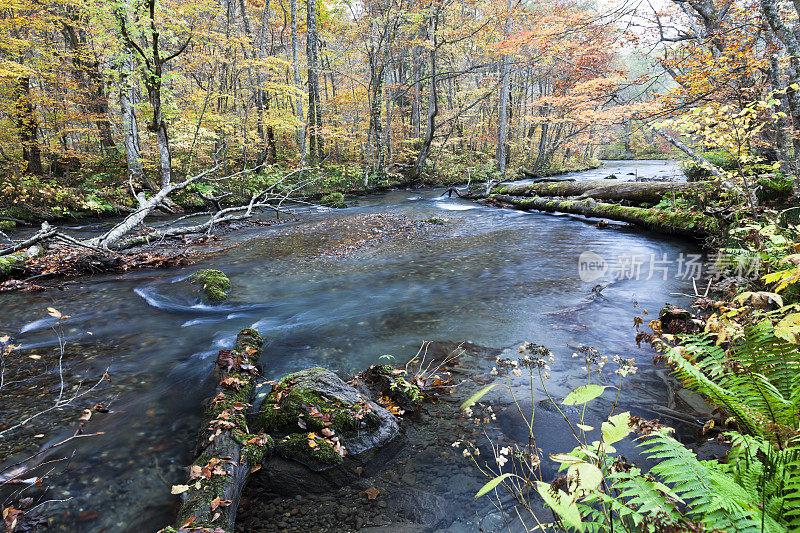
{"x": 494, "y": 277}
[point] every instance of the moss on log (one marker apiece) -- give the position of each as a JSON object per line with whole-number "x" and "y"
{"x": 633, "y": 191}
{"x": 669, "y": 222}
{"x": 226, "y": 452}
{"x": 11, "y": 261}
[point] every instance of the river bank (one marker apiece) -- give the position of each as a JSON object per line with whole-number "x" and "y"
{"x": 40, "y": 199}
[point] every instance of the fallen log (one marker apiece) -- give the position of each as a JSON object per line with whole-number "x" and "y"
{"x": 226, "y": 451}
{"x": 633, "y": 191}
{"x": 669, "y": 222}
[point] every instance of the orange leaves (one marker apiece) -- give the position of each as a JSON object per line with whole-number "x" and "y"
{"x": 212, "y": 468}
{"x": 232, "y": 382}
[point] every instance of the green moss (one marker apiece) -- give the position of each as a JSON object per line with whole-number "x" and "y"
{"x": 214, "y": 283}
{"x": 253, "y": 454}
{"x": 7, "y": 225}
{"x": 315, "y": 410}
{"x": 435, "y": 221}
{"x": 334, "y": 199}
{"x": 297, "y": 448}
{"x": 250, "y": 338}
{"x": 8, "y": 262}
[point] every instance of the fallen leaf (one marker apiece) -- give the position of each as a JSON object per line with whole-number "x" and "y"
{"x": 179, "y": 489}
{"x": 371, "y": 493}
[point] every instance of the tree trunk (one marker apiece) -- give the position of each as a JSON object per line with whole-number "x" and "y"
{"x": 433, "y": 103}
{"x": 700, "y": 160}
{"x": 633, "y": 191}
{"x": 301, "y": 130}
{"x": 789, "y": 38}
{"x": 225, "y": 444}
{"x": 130, "y": 126}
{"x": 502, "y": 120}
{"x": 27, "y": 126}
{"x": 669, "y": 222}
{"x": 314, "y": 106}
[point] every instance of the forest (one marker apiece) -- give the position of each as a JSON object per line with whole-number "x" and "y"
{"x": 400, "y": 265}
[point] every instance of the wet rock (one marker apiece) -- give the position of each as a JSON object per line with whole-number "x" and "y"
{"x": 423, "y": 508}
{"x": 320, "y": 407}
{"x": 694, "y": 401}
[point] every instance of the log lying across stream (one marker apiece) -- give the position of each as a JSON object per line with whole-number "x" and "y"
{"x": 226, "y": 451}
{"x": 669, "y": 222}
{"x": 612, "y": 191}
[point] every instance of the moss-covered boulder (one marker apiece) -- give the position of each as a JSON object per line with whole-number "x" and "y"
{"x": 334, "y": 199}
{"x": 214, "y": 284}
{"x": 318, "y": 403}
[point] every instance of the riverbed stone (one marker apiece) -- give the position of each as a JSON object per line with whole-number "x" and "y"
{"x": 317, "y": 406}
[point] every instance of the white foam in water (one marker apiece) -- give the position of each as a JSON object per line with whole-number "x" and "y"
{"x": 456, "y": 207}
{"x": 42, "y": 323}
{"x": 197, "y": 321}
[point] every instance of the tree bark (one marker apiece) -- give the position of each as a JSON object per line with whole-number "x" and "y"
{"x": 301, "y": 129}
{"x": 130, "y": 126}
{"x": 314, "y": 105}
{"x": 790, "y": 40}
{"x": 27, "y": 126}
{"x": 502, "y": 121}
{"x": 634, "y": 191}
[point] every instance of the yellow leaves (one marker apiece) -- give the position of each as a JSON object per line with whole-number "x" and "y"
{"x": 788, "y": 328}
{"x": 784, "y": 278}
{"x": 13, "y": 70}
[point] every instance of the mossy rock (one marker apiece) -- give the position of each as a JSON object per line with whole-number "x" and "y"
{"x": 214, "y": 283}
{"x": 297, "y": 447}
{"x": 287, "y": 406}
{"x": 6, "y": 225}
{"x": 317, "y": 400}
{"x": 334, "y": 199}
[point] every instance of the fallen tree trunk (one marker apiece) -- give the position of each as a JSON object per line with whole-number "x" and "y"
{"x": 226, "y": 451}
{"x": 669, "y": 222}
{"x": 633, "y": 191}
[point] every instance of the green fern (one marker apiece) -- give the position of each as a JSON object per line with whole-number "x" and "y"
{"x": 712, "y": 495}
{"x": 756, "y": 378}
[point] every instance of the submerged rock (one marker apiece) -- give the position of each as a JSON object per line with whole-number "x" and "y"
{"x": 214, "y": 284}
{"x": 317, "y": 419}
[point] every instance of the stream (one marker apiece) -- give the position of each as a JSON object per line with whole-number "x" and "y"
{"x": 488, "y": 276}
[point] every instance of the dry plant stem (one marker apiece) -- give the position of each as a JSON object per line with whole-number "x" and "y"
{"x": 60, "y": 404}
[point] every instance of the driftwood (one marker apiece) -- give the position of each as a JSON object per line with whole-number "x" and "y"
{"x": 633, "y": 191}
{"x": 119, "y": 237}
{"x": 226, "y": 451}
{"x": 669, "y": 222}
